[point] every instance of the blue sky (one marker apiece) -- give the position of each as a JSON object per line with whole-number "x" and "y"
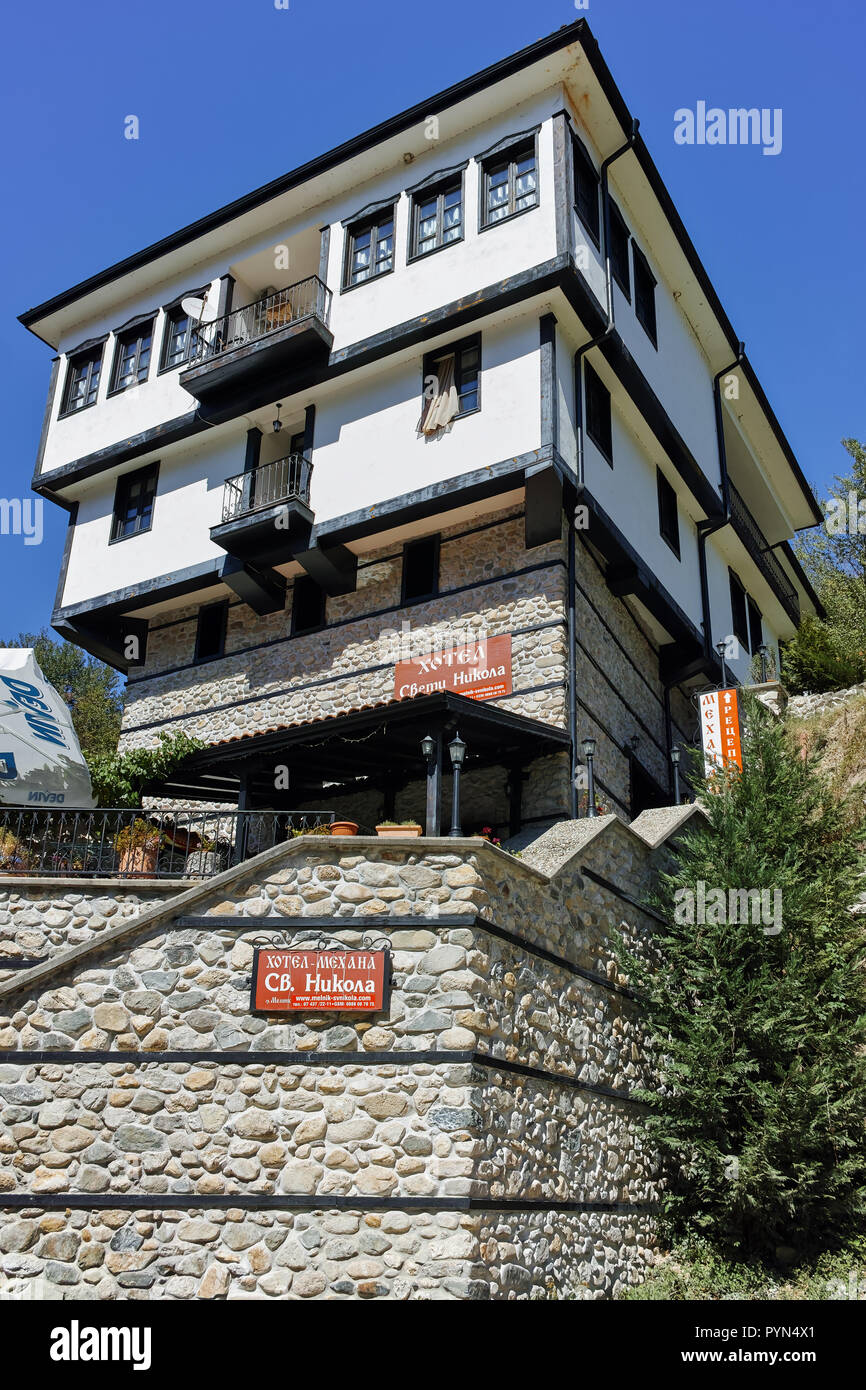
{"x": 232, "y": 93}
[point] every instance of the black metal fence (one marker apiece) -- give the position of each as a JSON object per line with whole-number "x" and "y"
{"x": 309, "y": 298}
{"x": 270, "y": 483}
{"x": 134, "y": 843}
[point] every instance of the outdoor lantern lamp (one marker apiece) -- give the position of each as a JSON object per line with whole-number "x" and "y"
{"x": 588, "y": 746}
{"x": 764, "y": 656}
{"x": 675, "y": 763}
{"x": 720, "y": 648}
{"x": 427, "y": 747}
{"x": 457, "y": 753}
{"x": 278, "y": 424}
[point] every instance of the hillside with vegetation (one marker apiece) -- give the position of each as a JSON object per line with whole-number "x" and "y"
{"x": 760, "y": 1117}
{"x": 829, "y": 653}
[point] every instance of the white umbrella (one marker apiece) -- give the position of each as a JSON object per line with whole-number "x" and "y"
{"x": 41, "y": 763}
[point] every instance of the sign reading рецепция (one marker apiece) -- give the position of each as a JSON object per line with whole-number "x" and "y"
{"x": 720, "y": 731}
{"x": 286, "y": 981}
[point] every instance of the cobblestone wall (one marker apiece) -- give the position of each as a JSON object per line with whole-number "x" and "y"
{"x": 800, "y": 705}
{"x": 268, "y": 678}
{"x": 39, "y": 917}
{"x": 496, "y": 1075}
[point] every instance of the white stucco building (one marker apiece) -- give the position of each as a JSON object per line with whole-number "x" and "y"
{"x": 610, "y": 489}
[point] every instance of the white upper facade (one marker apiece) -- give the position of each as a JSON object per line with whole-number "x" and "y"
{"x": 548, "y": 115}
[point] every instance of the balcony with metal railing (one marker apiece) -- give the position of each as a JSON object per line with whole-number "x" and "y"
{"x": 759, "y": 548}
{"x": 243, "y": 350}
{"x": 266, "y": 512}
{"x": 135, "y": 843}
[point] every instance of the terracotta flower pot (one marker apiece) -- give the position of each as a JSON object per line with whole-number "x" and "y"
{"x": 139, "y": 861}
{"x": 343, "y": 827}
{"x": 388, "y": 832}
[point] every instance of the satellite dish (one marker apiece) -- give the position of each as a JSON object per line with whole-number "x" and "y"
{"x": 192, "y": 307}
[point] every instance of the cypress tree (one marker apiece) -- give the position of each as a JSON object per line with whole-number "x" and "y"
{"x": 760, "y": 1109}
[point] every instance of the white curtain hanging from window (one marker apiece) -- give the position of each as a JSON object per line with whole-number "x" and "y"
{"x": 445, "y": 403}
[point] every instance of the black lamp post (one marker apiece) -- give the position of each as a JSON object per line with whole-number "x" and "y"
{"x": 675, "y": 763}
{"x": 720, "y": 648}
{"x": 457, "y": 753}
{"x": 588, "y": 746}
{"x": 432, "y": 751}
{"x": 763, "y": 656}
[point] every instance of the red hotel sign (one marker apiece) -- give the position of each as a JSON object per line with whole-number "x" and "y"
{"x": 481, "y": 670}
{"x": 312, "y": 981}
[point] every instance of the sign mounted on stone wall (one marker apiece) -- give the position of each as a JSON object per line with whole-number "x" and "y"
{"x": 288, "y": 981}
{"x": 720, "y": 730}
{"x": 481, "y": 670}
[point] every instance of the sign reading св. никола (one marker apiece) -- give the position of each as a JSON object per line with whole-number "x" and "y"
{"x": 287, "y": 980}
{"x": 720, "y": 730}
{"x": 481, "y": 670}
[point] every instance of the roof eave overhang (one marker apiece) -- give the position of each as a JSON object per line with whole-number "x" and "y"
{"x": 452, "y": 96}
{"x": 577, "y": 35}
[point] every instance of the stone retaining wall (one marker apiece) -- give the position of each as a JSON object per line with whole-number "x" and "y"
{"x": 332, "y": 1155}
{"x": 39, "y": 916}
{"x": 800, "y": 705}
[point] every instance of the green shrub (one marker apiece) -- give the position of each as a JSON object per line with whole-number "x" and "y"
{"x": 760, "y": 1111}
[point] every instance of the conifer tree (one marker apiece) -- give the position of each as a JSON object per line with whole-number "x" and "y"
{"x": 760, "y": 1109}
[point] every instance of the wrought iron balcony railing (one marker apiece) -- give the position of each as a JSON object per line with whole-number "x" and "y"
{"x": 143, "y": 844}
{"x": 756, "y": 543}
{"x": 308, "y": 298}
{"x": 284, "y": 480}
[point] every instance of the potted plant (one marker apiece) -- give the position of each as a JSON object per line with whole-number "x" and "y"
{"x": 13, "y": 855}
{"x": 488, "y": 835}
{"x": 391, "y": 829}
{"x": 206, "y": 858}
{"x": 138, "y": 845}
{"x": 343, "y": 827}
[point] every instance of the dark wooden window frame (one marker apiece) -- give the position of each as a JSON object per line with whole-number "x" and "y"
{"x": 435, "y": 543}
{"x": 220, "y": 608}
{"x": 756, "y": 623}
{"x": 123, "y": 338}
{"x": 149, "y": 474}
{"x": 439, "y": 191}
{"x": 173, "y": 315}
{"x": 586, "y": 178}
{"x": 302, "y": 585}
{"x": 739, "y": 610}
{"x": 93, "y": 358}
{"x": 646, "y": 319}
{"x": 620, "y": 238}
{"x": 669, "y": 521}
{"x": 593, "y": 385}
{"x": 508, "y": 156}
{"x": 357, "y": 228}
{"x": 429, "y": 369}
